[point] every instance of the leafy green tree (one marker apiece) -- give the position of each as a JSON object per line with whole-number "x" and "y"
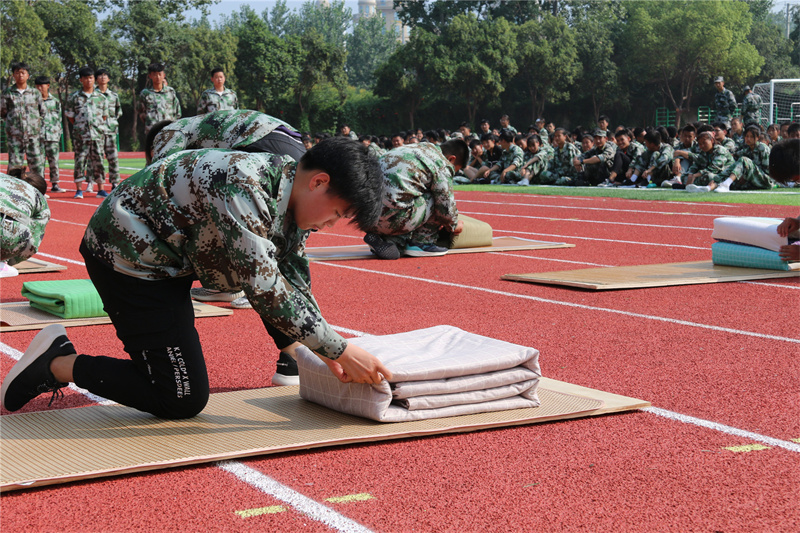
{"x": 547, "y": 56}
{"x": 369, "y": 46}
{"x": 319, "y": 62}
{"x": 329, "y": 21}
{"x": 434, "y": 16}
{"x": 277, "y": 19}
{"x": 23, "y": 37}
{"x": 712, "y": 42}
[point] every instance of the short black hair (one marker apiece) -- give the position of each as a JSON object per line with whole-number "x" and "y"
{"x": 473, "y": 143}
{"x": 506, "y": 135}
{"x": 41, "y": 80}
{"x": 672, "y": 131}
{"x": 489, "y": 137}
{"x": 624, "y": 131}
{"x": 534, "y": 137}
{"x": 432, "y": 134}
{"x": 155, "y": 67}
{"x": 638, "y": 130}
{"x": 784, "y": 160}
{"x": 483, "y": 121}
{"x": 20, "y": 65}
{"x": 520, "y": 137}
{"x": 664, "y": 134}
{"x": 465, "y": 125}
{"x": 654, "y": 137}
{"x": 793, "y": 128}
{"x": 215, "y": 70}
{"x": 355, "y": 173}
{"x": 458, "y": 148}
{"x": 31, "y": 178}
{"x": 720, "y": 125}
{"x": 85, "y": 72}
{"x": 704, "y": 128}
{"x": 603, "y": 117}
{"x": 101, "y": 71}
{"x": 561, "y": 131}
{"x": 689, "y": 128}
{"x": 151, "y": 137}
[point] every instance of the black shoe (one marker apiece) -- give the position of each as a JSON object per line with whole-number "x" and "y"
{"x": 286, "y": 372}
{"x": 381, "y": 248}
{"x": 31, "y": 376}
{"x": 56, "y": 188}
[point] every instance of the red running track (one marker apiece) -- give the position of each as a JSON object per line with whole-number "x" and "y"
{"x": 723, "y": 353}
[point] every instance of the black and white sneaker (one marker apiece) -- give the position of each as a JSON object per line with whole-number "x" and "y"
{"x": 31, "y": 376}
{"x": 381, "y": 248}
{"x": 286, "y": 372}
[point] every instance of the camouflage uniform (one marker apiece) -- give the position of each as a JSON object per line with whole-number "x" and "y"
{"x": 544, "y": 136}
{"x": 691, "y": 151}
{"x": 376, "y": 150}
{"x": 729, "y": 144}
{"x": 110, "y": 134}
{"x": 512, "y": 156}
{"x": 418, "y": 195}
{"x": 751, "y": 170}
{"x": 221, "y": 216}
{"x": 561, "y": 171}
{"x": 661, "y": 163}
{"x": 539, "y": 167}
{"x": 23, "y": 113}
{"x": 211, "y": 100}
{"x": 219, "y": 129}
{"x": 725, "y": 104}
{"x": 597, "y": 172}
{"x": 710, "y": 165}
{"x": 24, "y": 214}
{"x": 51, "y": 135}
{"x": 88, "y": 132}
{"x": 155, "y": 106}
{"x": 751, "y": 109}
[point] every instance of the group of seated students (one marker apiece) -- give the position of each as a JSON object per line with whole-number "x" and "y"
{"x": 698, "y": 158}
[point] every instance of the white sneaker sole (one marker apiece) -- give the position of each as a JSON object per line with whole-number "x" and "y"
{"x": 40, "y": 343}
{"x": 414, "y": 253}
{"x": 217, "y": 297}
{"x": 282, "y": 381}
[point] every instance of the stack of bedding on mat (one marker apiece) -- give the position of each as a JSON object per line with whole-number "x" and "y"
{"x": 437, "y": 372}
{"x": 68, "y": 298}
{"x": 749, "y": 242}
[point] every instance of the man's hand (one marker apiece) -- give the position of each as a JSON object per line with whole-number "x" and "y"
{"x": 459, "y": 227}
{"x": 788, "y": 225}
{"x": 790, "y": 252}
{"x": 357, "y": 365}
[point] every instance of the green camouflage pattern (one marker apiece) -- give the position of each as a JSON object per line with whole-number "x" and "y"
{"x": 725, "y": 105}
{"x": 222, "y": 216}
{"x": 376, "y": 150}
{"x": 114, "y": 111}
{"x": 89, "y": 153}
{"x": 24, "y": 213}
{"x": 219, "y": 129}
{"x": 729, "y": 144}
{"x": 22, "y": 112}
{"x": 751, "y": 108}
{"x": 211, "y": 101}
{"x": 710, "y": 165}
{"x": 51, "y": 150}
{"x": 112, "y": 156}
{"x": 661, "y": 163}
{"x": 606, "y": 154}
{"x": 153, "y": 107}
{"x": 561, "y": 165}
{"x": 752, "y": 169}
{"x": 89, "y": 112}
{"x": 20, "y": 147}
{"x": 418, "y": 194}
{"x": 52, "y": 126}
{"x": 513, "y": 156}
{"x": 537, "y": 163}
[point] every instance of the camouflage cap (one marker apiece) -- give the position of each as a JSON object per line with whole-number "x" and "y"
{"x": 600, "y": 133}
{"x": 719, "y": 79}
{"x": 746, "y": 88}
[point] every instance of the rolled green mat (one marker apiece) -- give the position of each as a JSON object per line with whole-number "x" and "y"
{"x": 67, "y": 298}
{"x": 476, "y": 233}
{"x": 743, "y": 255}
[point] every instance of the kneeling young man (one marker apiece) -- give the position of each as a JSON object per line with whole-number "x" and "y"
{"x": 418, "y": 200}
{"x": 231, "y": 219}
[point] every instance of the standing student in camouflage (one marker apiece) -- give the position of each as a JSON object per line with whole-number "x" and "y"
{"x": 233, "y": 220}
{"x": 51, "y": 130}
{"x": 219, "y": 98}
{"x": 724, "y": 102}
{"x": 506, "y": 170}
{"x": 751, "y": 171}
{"x": 111, "y": 125}
{"x": 596, "y": 162}
{"x": 706, "y": 170}
{"x": 87, "y": 111}
{"x": 418, "y": 199}
{"x": 561, "y": 171}
{"x": 751, "y": 107}
{"x": 159, "y": 103}
{"x": 24, "y": 214}
{"x": 23, "y": 109}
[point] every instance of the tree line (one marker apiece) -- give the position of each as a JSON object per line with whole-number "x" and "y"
{"x": 566, "y": 60}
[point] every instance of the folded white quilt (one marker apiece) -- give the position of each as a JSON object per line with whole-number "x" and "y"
{"x": 755, "y": 231}
{"x": 436, "y": 372}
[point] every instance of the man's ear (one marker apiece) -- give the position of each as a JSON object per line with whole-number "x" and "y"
{"x": 452, "y": 159}
{"x": 319, "y": 179}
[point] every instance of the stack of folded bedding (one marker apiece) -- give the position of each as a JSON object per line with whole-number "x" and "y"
{"x": 68, "y": 298}
{"x": 751, "y": 242}
{"x": 436, "y": 372}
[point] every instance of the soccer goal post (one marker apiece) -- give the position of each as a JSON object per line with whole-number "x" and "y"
{"x": 781, "y": 101}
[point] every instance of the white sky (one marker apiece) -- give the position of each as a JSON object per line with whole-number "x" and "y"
{"x": 226, "y": 7}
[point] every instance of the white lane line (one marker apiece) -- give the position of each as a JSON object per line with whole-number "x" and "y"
{"x": 686, "y": 419}
{"x": 68, "y": 222}
{"x": 585, "y": 208}
{"x": 311, "y": 508}
{"x": 73, "y": 202}
{"x": 549, "y": 259}
{"x": 564, "y": 237}
{"x": 568, "y": 304}
{"x": 59, "y": 258}
{"x": 583, "y": 220}
{"x": 779, "y": 285}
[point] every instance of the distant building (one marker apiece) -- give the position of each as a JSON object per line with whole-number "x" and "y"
{"x": 385, "y": 9}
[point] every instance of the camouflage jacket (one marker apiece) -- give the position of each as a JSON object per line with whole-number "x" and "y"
{"x": 692, "y": 150}
{"x": 153, "y": 107}
{"x": 759, "y": 155}
{"x": 419, "y": 170}
{"x": 376, "y": 150}
{"x": 724, "y": 103}
{"x": 211, "y": 100}
{"x": 512, "y": 156}
{"x": 222, "y": 216}
{"x": 729, "y": 144}
{"x": 635, "y": 150}
{"x": 751, "y": 108}
{"x": 544, "y": 136}
{"x": 89, "y": 112}
{"x": 51, "y": 124}
{"x": 114, "y": 111}
{"x": 662, "y": 158}
{"x": 606, "y": 155}
{"x": 24, "y": 213}
{"x": 218, "y": 129}
{"x": 22, "y": 112}
{"x": 711, "y": 162}
{"x": 542, "y": 153}
{"x": 562, "y": 163}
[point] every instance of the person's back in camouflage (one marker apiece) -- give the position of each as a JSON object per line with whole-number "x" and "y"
{"x": 24, "y": 213}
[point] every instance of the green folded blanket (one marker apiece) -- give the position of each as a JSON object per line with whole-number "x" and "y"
{"x": 68, "y": 298}
{"x": 743, "y": 255}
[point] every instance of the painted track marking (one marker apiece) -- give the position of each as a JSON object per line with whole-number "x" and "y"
{"x": 586, "y": 208}
{"x": 582, "y": 220}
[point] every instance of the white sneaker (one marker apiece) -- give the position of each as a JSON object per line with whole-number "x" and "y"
{"x": 667, "y": 184}
{"x": 89, "y": 187}
{"x": 7, "y": 271}
{"x": 210, "y": 295}
{"x": 722, "y": 188}
{"x": 605, "y": 184}
{"x": 697, "y": 188}
{"x": 241, "y": 303}
{"x": 524, "y": 181}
